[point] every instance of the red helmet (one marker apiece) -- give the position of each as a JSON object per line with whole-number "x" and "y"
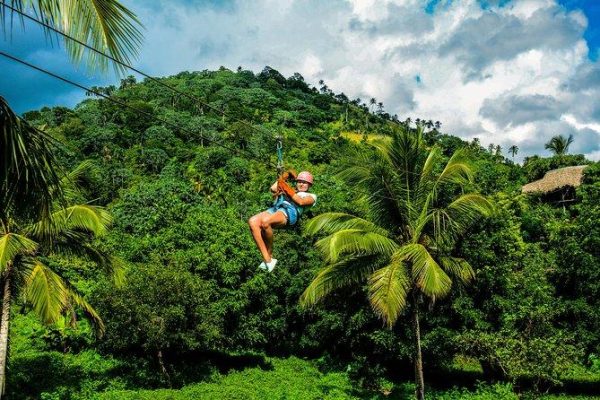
{"x": 305, "y": 176}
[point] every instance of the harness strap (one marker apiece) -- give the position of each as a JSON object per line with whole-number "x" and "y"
{"x": 279, "y": 155}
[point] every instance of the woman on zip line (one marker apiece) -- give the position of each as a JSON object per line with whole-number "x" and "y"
{"x": 286, "y": 210}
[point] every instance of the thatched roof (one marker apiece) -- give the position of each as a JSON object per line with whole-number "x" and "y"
{"x": 556, "y": 179}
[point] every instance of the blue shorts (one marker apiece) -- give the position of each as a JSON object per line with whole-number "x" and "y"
{"x": 291, "y": 214}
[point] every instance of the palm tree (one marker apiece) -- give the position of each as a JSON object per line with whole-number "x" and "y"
{"x": 372, "y": 102}
{"x": 403, "y": 250}
{"x": 559, "y": 145}
{"x": 66, "y": 230}
{"x": 28, "y": 175}
{"x": 514, "y": 149}
{"x": 498, "y": 150}
{"x": 29, "y": 168}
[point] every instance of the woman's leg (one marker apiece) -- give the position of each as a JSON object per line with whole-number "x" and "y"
{"x": 268, "y": 231}
{"x": 255, "y": 223}
{"x": 264, "y": 222}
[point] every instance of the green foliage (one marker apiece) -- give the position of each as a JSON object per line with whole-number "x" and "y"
{"x": 160, "y": 308}
{"x": 180, "y": 204}
{"x": 291, "y": 379}
{"x": 498, "y": 391}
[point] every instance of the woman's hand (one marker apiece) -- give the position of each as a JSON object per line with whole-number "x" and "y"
{"x": 285, "y": 188}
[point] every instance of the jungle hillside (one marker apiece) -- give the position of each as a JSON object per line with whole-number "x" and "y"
{"x": 159, "y": 291}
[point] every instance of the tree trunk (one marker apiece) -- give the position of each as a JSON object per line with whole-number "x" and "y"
{"x": 6, "y": 299}
{"x": 163, "y": 369}
{"x": 420, "y": 390}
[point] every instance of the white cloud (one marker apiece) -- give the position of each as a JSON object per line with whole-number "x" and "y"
{"x": 504, "y": 74}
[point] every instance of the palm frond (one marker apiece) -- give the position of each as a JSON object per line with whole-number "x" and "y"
{"x": 335, "y": 276}
{"x": 75, "y": 245}
{"x": 105, "y": 25}
{"x": 358, "y": 174}
{"x": 46, "y": 292}
{"x": 89, "y": 311}
{"x": 388, "y": 289}
{"x": 426, "y": 272}
{"x": 332, "y": 222}
{"x": 449, "y": 222}
{"x": 29, "y": 179}
{"x": 51, "y": 296}
{"x": 458, "y": 267}
{"x": 458, "y": 170}
{"x": 72, "y": 181}
{"x": 11, "y": 245}
{"x": 427, "y": 171}
{"x": 355, "y": 241}
{"x": 93, "y": 219}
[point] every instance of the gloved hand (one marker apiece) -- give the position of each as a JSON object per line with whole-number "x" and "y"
{"x": 289, "y": 174}
{"x": 285, "y": 188}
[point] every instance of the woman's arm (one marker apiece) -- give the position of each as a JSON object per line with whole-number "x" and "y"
{"x": 303, "y": 201}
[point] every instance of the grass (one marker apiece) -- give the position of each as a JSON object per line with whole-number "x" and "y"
{"x": 37, "y": 373}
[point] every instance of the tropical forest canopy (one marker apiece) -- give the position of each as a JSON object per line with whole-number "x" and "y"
{"x": 181, "y": 180}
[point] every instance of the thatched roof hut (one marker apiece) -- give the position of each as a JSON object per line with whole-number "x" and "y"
{"x": 556, "y": 179}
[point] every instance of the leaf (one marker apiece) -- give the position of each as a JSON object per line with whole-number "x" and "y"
{"x": 388, "y": 289}
{"x": 50, "y": 295}
{"x": 28, "y": 167}
{"x": 89, "y": 311}
{"x": 46, "y": 292}
{"x": 105, "y": 25}
{"x": 333, "y": 222}
{"x": 93, "y": 219}
{"x": 11, "y": 245}
{"x": 426, "y": 272}
{"x": 458, "y": 267}
{"x": 355, "y": 241}
{"x": 449, "y": 222}
{"x": 458, "y": 170}
{"x": 335, "y": 276}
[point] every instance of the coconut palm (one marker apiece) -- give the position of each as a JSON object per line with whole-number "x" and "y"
{"x": 28, "y": 175}
{"x": 28, "y": 166}
{"x": 559, "y": 145}
{"x": 514, "y": 149}
{"x": 66, "y": 230}
{"x": 404, "y": 249}
{"x": 372, "y": 102}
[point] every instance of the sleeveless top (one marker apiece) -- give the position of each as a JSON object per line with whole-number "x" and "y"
{"x": 283, "y": 201}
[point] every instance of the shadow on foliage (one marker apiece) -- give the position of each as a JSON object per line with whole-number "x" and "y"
{"x": 53, "y": 372}
{"x": 224, "y": 362}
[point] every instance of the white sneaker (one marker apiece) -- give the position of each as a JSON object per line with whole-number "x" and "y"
{"x": 271, "y": 265}
{"x": 263, "y": 265}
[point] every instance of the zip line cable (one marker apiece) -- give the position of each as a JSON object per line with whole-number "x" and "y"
{"x": 111, "y": 99}
{"x": 155, "y": 80}
{"x": 175, "y": 126}
{"x": 279, "y": 165}
{"x": 193, "y": 97}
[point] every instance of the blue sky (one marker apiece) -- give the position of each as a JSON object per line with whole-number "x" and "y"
{"x": 507, "y": 72}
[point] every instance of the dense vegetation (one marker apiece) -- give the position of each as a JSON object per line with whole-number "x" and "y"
{"x": 194, "y": 306}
